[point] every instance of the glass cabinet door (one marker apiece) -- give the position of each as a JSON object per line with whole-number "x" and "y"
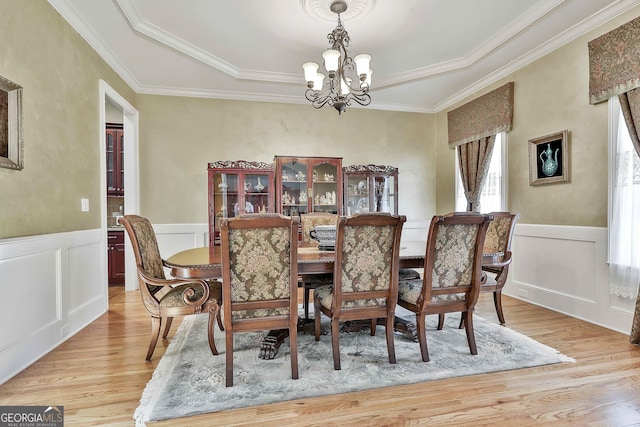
{"x": 384, "y": 194}
{"x": 357, "y": 193}
{"x": 257, "y": 193}
{"x": 326, "y": 191}
{"x": 294, "y": 188}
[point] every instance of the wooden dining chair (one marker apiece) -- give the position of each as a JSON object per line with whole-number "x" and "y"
{"x": 365, "y": 277}
{"x": 497, "y": 241}
{"x": 166, "y": 298}
{"x": 260, "y": 279}
{"x": 452, "y": 273}
{"x": 312, "y": 281}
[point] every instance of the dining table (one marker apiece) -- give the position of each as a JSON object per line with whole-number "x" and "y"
{"x": 205, "y": 263}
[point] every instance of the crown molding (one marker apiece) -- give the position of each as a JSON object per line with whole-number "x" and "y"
{"x": 569, "y": 35}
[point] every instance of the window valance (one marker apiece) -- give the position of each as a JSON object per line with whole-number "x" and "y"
{"x": 484, "y": 116}
{"x": 613, "y": 62}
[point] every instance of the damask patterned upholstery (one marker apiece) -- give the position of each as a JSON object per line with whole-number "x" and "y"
{"x": 452, "y": 273}
{"x": 365, "y": 276}
{"x": 260, "y": 268}
{"x": 165, "y": 298}
{"x": 499, "y": 238}
{"x": 260, "y": 279}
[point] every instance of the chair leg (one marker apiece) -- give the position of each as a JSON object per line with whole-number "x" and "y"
{"x": 374, "y": 323}
{"x": 293, "y": 345}
{"x": 214, "y": 311}
{"x": 468, "y": 326}
{"x": 317, "y": 315}
{"x": 335, "y": 343}
{"x": 440, "y": 321}
{"x": 229, "y": 357}
{"x": 391, "y": 349}
{"x": 422, "y": 337}
{"x": 156, "y": 322}
{"x": 462, "y": 316}
{"x": 497, "y": 300}
{"x": 219, "y": 318}
{"x": 306, "y": 301}
{"x": 167, "y": 326}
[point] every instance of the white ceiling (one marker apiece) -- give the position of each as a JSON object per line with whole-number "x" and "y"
{"x": 427, "y": 54}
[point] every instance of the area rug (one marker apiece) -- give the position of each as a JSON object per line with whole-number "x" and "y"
{"x": 189, "y": 380}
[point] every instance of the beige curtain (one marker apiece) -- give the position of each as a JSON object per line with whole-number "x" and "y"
{"x": 630, "y": 103}
{"x": 473, "y": 159}
{"x": 472, "y": 129}
{"x": 614, "y": 69}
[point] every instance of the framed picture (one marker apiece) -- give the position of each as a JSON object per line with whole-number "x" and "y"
{"x": 549, "y": 159}
{"x": 11, "y": 139}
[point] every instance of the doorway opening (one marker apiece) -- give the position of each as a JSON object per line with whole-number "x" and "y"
{"x": 114, "y": 109}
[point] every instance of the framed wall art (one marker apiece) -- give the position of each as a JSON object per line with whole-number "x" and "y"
{"x": 11, "y": 135}
{"x": 549, "y": 158}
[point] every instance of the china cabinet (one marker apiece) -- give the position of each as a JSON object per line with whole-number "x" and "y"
{"x": 370, "y": 188}
{"x": 308, "y": 184}
{"x": 115, "y": 159}
{"x": 238, "y": 187}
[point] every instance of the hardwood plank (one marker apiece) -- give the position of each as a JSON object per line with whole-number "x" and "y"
{"x": 99, "y": 375}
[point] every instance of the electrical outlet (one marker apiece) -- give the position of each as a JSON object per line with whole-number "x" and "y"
{"x": 84, "y": 205}
{"x": 523, "y": 293}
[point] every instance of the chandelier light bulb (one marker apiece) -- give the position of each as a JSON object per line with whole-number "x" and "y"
{"x": 362, "y": 65}
{"x": 310, "y": 72}
{"x": 331, "y": 59}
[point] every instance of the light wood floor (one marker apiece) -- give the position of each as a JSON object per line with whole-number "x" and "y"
{"x": 99, "y": 374}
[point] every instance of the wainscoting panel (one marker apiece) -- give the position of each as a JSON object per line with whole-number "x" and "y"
{"x": 564, "y": 268}
{"x": 52, "y": 286}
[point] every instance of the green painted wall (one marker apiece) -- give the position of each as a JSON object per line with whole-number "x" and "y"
{"x": 59, "y": 73}
{"x": 179, "y": 136}
{"x": 551, "y": 94}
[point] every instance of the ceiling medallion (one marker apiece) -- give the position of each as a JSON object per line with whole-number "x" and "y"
{"x": 321, "y": 9}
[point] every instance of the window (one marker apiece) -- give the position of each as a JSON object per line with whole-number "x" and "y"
{"x": 624, "y": 206}
{"x": 494, "y": 192}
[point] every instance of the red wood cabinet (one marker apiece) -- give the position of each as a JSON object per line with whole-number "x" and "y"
{"x": 115, "y": 251}
{"x": 115, "y": 160}
{"x": 370, "y": 188}
{"x": 308, "y": 184}
{"x": 238, "y": 187}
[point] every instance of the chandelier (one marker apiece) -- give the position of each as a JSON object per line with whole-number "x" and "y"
{"x": 342, "y": 70}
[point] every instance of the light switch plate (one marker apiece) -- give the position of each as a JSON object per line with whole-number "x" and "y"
{"x": 84, "y": 203}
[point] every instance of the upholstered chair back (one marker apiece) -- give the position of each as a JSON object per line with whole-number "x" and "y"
{"x": 259, "y": 263}
{"x": 367, "y": 259}
{"x": 500, "y": 232}
{"x": 309, "y": 221}
{"x": 454, "y": 258}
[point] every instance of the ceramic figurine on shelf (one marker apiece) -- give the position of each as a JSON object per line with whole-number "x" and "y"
{"x": 303, "y": 196}
{"x": 247, "y": 186}
{"x": 259, "y": 187}
{"x": 315, "y": 176}
{"x": 300, "y": 176}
